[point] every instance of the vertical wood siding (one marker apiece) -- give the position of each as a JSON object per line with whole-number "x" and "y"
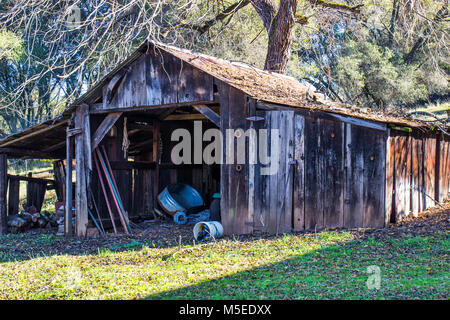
{"x": 338, "y": 179}
{"x": 420, "y": 171}
{"x": 158, "y": 78}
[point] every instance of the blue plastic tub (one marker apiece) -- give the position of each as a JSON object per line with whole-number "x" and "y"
{"x": 179, "y": 197}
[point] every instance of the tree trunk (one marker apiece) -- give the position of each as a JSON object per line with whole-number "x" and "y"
{"x": 280, "y": 37}
{"x": 279, "y": 26}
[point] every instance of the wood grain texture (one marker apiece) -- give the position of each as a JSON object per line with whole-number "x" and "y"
{"x": 417, "y": 187}
{"x": 354, "y": 205}
{"x": 402, "y": 175}
{"x": 313, "y": 176}
{"x": 81, "y": 170}
{"x": 104, "y": 127}
{"x": 68, "y": 228}
{"x": 444, "y": 168}
{"x": 331, "y": 163}
{"x": 157, "y": 78}
{"x": 3, "y": 190}
{"x": 234, "y": 177}
{"x": 390, "y": 178}
{"x": 299, "y": 175}
{"x": 429, "y": 170}
{"x": 374, "y": 178}
{"x": 13, "y": 196}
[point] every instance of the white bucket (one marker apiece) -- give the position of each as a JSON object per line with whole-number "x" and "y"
{"x": 213, "y": 229}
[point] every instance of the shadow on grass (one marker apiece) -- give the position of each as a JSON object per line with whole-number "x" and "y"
{"x": 26, "y": 246}
{"x": 409, "y": 268}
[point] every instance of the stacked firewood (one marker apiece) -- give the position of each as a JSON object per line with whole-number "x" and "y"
{"x": 30, "y": 219}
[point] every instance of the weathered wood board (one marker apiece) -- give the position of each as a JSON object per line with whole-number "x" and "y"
{"x": 13, "y": 196}
{"x": 390, "y": 179}
{"x": 331, "y": 162}
{"x": 3, "y": 191}
{"x": 273, "y": 197}
{"x": 299, "y": 174}
{"x": 429, "y": 171}
{"x": 365, "y": 165}
{"x": 235, "y": 215}
{"x": 403, "y": 153}
{"x": 444, "y": 168}
{"x": 417, "y": 158}
{"x": 338, "y": 181}
{"x": 313, "y": 176}
{"x": 157, "y": 78}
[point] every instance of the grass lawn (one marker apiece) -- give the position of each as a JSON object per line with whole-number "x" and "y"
{"x": 412, "y": 258}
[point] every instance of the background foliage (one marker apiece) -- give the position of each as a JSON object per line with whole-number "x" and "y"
{"x": 393, "y": 55}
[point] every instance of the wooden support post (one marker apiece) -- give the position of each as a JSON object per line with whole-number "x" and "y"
{"x": 68, "y": 229}
{"x": 13, "y": 197}
{"x": 59, "y": 177}
{"x": 81, "y": 167}
{"x": 155, "y": 158}
{"x": 3, "y": 187}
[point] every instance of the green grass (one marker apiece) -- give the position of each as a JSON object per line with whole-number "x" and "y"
{"x": 327, "y": 265}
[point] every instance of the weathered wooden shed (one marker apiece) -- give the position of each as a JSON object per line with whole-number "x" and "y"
{"x": 338, "y": 167}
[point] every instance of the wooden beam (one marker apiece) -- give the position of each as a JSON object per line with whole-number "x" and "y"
{"x": 55, "y": 146}
{"x": 25, "y": 152}
{"x": 3, "y": 188}
{"x": 166, "y": 113}
{"x": 81, "y": 169}
{"x": 68, "y": 228}
{"x": 208, "y": 113}
{"x": 326, "y": 115}
{"x": 73, "y": 132}
{"x": 187, "y": 116}
{"x": 34, "y": 133}
{"x": 155, "y": 158}
{"x": 113, "y": 84}
{"x": 98, "y": 108}
{"x": 104, "y": 127}
{"x": 359, "y": 122}
{"x": 30, "y": 179}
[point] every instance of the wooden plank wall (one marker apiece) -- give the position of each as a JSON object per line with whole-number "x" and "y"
{"x": 273, "y": 193}
{"x": 419, "y": 170}
{"x": 402, "y": 169}
{"x": 299, "y": 173}
{"x": 234, "y": 109}
{"x": 344, "y": 175}
{"x": 444, "y": 168}
{"x": 158, "y": 78}
{"x": 338, "y": 180}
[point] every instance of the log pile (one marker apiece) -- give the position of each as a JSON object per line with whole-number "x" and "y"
{"x": 30, "y": 219}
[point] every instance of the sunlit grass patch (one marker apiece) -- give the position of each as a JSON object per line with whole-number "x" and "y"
{"x": 324, "y": 265}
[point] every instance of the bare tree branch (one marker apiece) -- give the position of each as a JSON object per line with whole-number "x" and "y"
{"x": 337, "y": 6}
